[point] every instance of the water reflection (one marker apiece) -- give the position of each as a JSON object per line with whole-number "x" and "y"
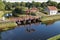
{"x": 36, "y": 31}
{"x": 48, "y": 22}
{"x": 0, "y": 36}
{"x": 30, "y": 29}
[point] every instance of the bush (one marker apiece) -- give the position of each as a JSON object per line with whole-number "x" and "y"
{"x": 40, "y": 9}
{"x": 45, "y": 12}
{"x": 33, "y": 14}
{"x": 58, "y": 39}
{"x": 17, "y": 11}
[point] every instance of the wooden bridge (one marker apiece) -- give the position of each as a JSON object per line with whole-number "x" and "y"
{"x": 25, "y": 20}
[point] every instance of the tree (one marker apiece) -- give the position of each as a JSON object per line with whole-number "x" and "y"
{"x": 58, "y": 6}
{"x": 54, "y": 3}
{"x": 58, "y": 39}
{"x": 4, "y": 2}
{"x": 40, "y": 9}
{"x": 18, "y": 10}
{"x": 37, "y": 4}
{"x": 8, "y": 6}
{"x": 51, "y": 3}
{"x": 28, "y": 4}
{"x": 2, "y": 6}
{"x": 43, "y": 5}
{"x": 16, "y": 4}
{"x": 23, "y": 4}
{"x": 33, "y": 4}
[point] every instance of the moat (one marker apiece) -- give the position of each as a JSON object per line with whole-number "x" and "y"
{"x": 36, "y": 31}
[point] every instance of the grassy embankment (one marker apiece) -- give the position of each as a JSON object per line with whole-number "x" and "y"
{"x": 1, "y": 14}
{"x": 6, "y": 25}
{"x": 48, "y": 18}
{"x": 57, "y": 37}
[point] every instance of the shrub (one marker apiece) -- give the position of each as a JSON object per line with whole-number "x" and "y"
{"x": 45, "y": 12}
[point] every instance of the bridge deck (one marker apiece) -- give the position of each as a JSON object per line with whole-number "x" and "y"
{"x": 23, "y": 18}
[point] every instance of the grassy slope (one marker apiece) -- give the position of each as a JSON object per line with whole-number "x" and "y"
{"x": 54, "y": 38}
{"x": 40, "y": 14}
{"x": 46, "y": 18}
{"x": 1, "y": 14}
{"x": 4, "y": 26}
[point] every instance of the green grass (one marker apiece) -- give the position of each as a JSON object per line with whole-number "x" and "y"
{"x": 47, "y": 18}
{"x": 7, "y": 25}
{"x": 1, "y": 14}
{"x": 54, "y": 38}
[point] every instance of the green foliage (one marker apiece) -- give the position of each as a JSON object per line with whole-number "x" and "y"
{"x": 11, "y": 6}
{"x": 8, "y": 6}
{"x": 7, "y": 25}
{"x": 43, "y": 4}
{"x": 33, "y": 4}
{"x": 37, "y": 4}
{"x": 58, "y": 6}
{"x": 32, "y": 13}
{"x": 40, "y": 9}
{"x": 2, "y": 6}
{"x": 28, "y": 4}
{"x": 18, "y": 10}
{"x": 17, "y": 4}
{"x": 45, "y": 12}
{"x": 51, "y": 3}
{"x": 58, "y": 39}
{"x": 23, "y": 4}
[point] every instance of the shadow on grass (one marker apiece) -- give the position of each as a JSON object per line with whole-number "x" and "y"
{"x": 58, "y": 39}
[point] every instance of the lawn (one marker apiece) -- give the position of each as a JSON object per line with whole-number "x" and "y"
{"x": 40, "y": 14}
{"x": 7, "y": 25}
{"x": 52, "y": 17}
{"x": 1, "y": 14}
{"x": 57, "y": 37}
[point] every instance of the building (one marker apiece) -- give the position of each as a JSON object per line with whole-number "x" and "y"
{"x": 51, "y": 10}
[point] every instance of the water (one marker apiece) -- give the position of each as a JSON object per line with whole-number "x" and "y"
{"x": 36, "y": 31}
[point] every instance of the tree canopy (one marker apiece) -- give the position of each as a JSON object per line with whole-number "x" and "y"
{"x": 2, "y": 6}
{"x": 58, "y": 6}
{"x": 21, "y": 7}
{"x": 51, "y": 3}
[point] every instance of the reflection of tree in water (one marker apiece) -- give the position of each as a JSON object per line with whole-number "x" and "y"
{"x": 36, "y": 24}
{"x": 48, "y": 22}
{"x": 30, "y": 29}
{"x": 0, "y": 36}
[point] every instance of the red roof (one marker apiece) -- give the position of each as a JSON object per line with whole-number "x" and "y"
{"x": 52, "y": 8}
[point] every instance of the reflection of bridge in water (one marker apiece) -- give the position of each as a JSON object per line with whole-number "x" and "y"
{"x": 25, "y": 20}
{"x": 29, "y": 28}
